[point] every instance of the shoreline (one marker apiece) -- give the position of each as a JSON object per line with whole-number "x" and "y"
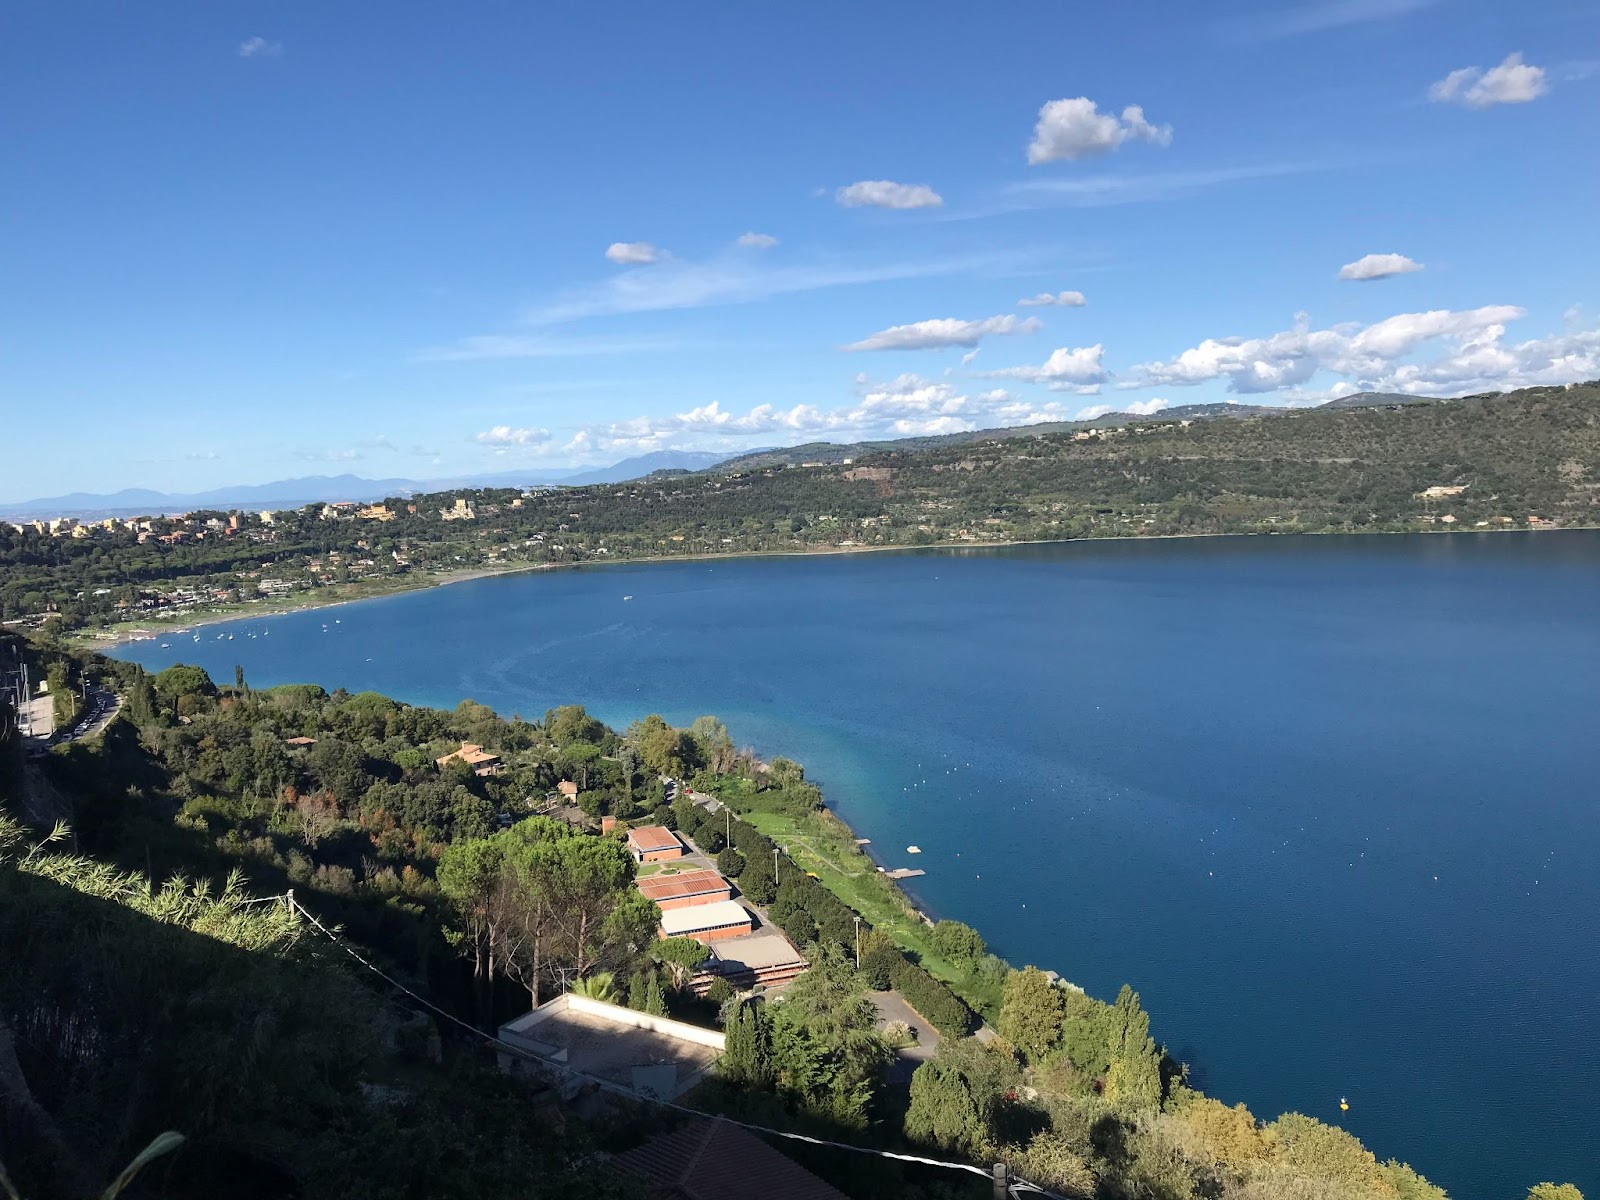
{"x": 109, "y": 637}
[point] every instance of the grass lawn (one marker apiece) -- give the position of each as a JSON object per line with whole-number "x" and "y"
{"x": 826, "y": 847}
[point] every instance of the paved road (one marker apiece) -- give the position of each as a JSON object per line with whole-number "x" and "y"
{"x": 891, "y": 1006}
{"x": 103, "y": 707}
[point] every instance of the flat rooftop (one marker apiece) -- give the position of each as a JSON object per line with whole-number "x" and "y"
{"x": 652, "y": 837}
{"x": 618, "y": 1045}
{"x": 756, "y": 952}
{"x": 719, "y": 914}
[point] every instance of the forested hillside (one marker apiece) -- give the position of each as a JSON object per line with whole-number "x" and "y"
{"x": 1528, "y": 459}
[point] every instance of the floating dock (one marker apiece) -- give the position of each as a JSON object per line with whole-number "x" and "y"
{"x": 905, "y": 873}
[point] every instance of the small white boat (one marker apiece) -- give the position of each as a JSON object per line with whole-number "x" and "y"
{"x": 627, "y": 597}
{"x": 913, "y": 849}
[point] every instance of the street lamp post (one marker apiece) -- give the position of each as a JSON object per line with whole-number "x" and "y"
{"x": 857, "y": 919}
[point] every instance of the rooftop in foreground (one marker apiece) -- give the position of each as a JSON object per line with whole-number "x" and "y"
{"x": 628, "y": 1049}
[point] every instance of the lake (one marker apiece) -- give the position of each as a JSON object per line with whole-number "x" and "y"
{"x": 1329, "y": 804}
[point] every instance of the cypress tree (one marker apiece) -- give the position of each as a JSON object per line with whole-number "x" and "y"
{"x": 654, "y": 1002}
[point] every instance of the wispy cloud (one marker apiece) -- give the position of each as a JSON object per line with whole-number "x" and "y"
{"x": 492, "y": 346}
{"x": 1114, "y": 188}
{"x": 756, "y": 241}
{"x": 1061, "y": 299}
{"x": 737, "y": 279}
{"x": 1284, "y": 21}
{"x": 259, "y": 47}
{"x": 943, "y": 332}
{"x": 507, "y": 435}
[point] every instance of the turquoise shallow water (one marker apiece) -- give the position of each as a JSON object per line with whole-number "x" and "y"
{"x": 1330, "y": 804}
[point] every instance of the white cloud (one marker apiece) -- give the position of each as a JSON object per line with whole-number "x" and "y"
{"x": 970, "y": 357}
{"x": 1079, "y": 370}
{"x": 884, "y": 193}
{"x": 1143, "y": 408}
{"x": 1379, "y": 266}
{"x": 1512, "y": 82}
{"x": 1076, "y": 128}
{"x": 506, "y": 435}
{"x": 259, "y": 47}
{"x": 633, "y": 253}
{"x": 756, "y": 241}
{"x": 1378, "y": 357}
{"x": 907, "y": 406}
{"x": 943, "y": 332}
{"x": 1064, "y": 299}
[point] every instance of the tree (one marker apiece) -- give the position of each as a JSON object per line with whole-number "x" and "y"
{"x": 960, "y": 945}
{"x": 957, "y": 1096}
{"x": 522, "y": 904}
{"x": 826, "y": 1051}
{"x": 755, "y": 881}
{"x": 142, "y": 704}
{"x": 730, "y": 862}
{"x": 747, "y": 1056}
{"x": 600, "y": 920}
{"x": 182, "y": 680}
{"x": 1554, "y": 1191}
{"x": 571, "y": 723}
{"x": 1133, "y": 1076}
{"x": 654, "y": 1002}
{"x": 681, "y": 956}
{"x": 879, "y": 956}
{"x": 713, "y": 745}
{"x": 1030, "y": 1012}
{"x": 469, "y": 876}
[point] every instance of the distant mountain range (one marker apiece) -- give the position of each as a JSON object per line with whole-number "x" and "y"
{"x": 319, "y": 489}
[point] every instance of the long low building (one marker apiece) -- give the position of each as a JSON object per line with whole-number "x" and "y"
{"x": 707, "y": 922}
{"x": 685, "y": 889}
{"x": 766, "y": 958}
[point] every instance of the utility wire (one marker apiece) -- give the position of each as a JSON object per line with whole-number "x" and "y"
{"x": 628, "y": 1093}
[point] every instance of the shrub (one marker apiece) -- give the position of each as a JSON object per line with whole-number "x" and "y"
{"x": 942, "y": 1007}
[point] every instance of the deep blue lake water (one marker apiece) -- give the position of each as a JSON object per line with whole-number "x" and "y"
{"x": 1332, "y": 805}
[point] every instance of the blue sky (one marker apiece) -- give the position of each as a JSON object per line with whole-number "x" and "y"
{"x": 246, "y": 241}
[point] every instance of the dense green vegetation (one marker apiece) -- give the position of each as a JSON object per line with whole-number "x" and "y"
{"x": 1525, "y": 459}
{"x": 150, "y": 987}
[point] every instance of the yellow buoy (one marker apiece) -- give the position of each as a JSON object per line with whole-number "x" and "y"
{"x": 1344, "y": 1105}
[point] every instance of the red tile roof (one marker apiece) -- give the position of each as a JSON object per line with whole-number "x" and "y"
{"x": 685, "y": 883}
{"x": 652, "y": 837}
{"x": 714, "y": 1160}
